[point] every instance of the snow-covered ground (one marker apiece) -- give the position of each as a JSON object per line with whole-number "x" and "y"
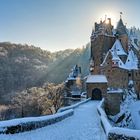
{"x": 135, "y": 111}
{"x": 83, "y": 125}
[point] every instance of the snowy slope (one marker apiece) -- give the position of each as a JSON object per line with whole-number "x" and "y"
{"x": 135, "y": 111}
{"x": 83, "y": 125}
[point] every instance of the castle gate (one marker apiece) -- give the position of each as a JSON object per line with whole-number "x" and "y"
{"x": 96, "y": 94}
{"x": 96, "y": 86}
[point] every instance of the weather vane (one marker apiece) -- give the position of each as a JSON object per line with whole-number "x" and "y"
{"x": 121, "y": 14}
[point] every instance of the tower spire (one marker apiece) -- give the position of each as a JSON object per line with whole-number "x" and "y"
{"x": 105, "y": 17}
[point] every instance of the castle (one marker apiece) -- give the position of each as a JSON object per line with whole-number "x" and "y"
{"x": 115, "y": 53}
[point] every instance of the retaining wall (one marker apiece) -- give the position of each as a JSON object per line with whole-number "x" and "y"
{"x": 116, "y": 133}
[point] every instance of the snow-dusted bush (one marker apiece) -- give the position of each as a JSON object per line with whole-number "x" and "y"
{"x": 38, "y": 101}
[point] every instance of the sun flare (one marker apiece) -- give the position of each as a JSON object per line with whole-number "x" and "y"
{"x": 105, "y": 15}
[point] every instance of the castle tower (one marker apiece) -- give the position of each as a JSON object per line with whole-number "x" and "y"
{"x": 101, "y": 41}
{"x": 121, "y": 31}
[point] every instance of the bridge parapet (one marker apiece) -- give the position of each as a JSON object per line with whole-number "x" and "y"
{"x": 31, "y": 123}
{"x": 73, "y": 106}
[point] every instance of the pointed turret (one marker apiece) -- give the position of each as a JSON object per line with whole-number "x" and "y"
{"x": 131, "y": 32}
{"x": 121, "y": 29}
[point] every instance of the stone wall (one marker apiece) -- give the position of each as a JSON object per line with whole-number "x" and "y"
{"x": 113, "y": 136}
{"x": 136, "y": 75}
{"x": 112, "y": 102}
{"x": 99, "y": 47}
{"x": 124, "y": 41}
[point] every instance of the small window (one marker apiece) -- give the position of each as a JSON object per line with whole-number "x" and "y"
{"x": 129, "y": 74}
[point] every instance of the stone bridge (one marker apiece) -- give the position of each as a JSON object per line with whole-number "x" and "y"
{"x": 84, "y": 124}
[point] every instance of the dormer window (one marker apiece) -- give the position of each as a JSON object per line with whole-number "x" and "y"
{"x": 115, "y": 64}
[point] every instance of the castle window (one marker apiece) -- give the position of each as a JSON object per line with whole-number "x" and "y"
{"x": 129, "y": 74}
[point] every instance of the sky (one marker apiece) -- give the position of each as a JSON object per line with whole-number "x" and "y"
{"x": 60, "y": 24}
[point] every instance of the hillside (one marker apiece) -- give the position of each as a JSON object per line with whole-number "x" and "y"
{"x": 23, "y": 66}
{"x": 58, "y": 71}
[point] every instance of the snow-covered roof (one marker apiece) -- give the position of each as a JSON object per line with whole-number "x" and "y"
{"x": 112, "y": 91}
{"x": 117, "y": 59}
{"x": 96, "y": 79}
{"x": 71, "y": 78}
{"x": 118, "y": 47}
{"x": 132, "y": 60}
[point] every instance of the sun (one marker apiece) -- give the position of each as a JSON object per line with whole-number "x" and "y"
{"x": 109, "y": 14}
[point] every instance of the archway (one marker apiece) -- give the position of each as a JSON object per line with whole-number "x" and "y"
{"x": 96, "y": 94}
